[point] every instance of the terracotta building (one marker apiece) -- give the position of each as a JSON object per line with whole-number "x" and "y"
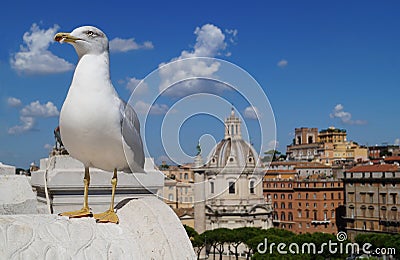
{"x": 372, "y": 199}
{"x": 304, "y": 204}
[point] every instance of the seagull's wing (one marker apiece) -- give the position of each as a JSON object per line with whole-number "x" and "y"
{"x": 130, "y": 128}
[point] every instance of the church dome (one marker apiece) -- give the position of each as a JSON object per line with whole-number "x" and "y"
{"x": 233, "y": 152}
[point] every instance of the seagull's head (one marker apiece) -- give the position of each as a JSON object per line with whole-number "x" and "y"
{"x": 85, "y": 39}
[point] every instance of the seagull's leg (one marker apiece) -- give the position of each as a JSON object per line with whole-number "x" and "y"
{"x": 85, "y": 211}
{"x": 109, "y": 215}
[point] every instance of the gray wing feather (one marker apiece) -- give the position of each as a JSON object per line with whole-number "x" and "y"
{"x": 130, "y": 127}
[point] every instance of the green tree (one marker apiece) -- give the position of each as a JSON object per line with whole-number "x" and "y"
{"x": 190, "y": 232}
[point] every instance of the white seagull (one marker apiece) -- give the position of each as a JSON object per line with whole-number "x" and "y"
{"x": 96, "y": 126}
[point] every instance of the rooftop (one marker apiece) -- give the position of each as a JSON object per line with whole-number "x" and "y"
{"x": 375, "y": 168}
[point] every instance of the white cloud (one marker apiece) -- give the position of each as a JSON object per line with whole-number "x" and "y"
{"x": 251, "y": 112}
{"x": 210, "y": 42}
{"x": 35, "y": 109}
{"x": 14, "y": 102}
{"x": 232, "y": 33}
{"x": 48, "y": 147}
{"x": 345, "y": 117}
{"x": 132, "y": 83}
{"x": 34, "y": 56}
{"x": 125, "y": 45}
{"x": 30, "y": 113}
{"x": 27, "y": 124}
{"x": 142, "y": 107}
{"x": 282, "y": 63}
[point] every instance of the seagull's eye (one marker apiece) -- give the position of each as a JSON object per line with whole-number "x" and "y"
{"x": 90, "y": 33}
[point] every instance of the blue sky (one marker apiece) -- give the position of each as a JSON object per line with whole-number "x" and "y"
{"x": 320, "y": 63}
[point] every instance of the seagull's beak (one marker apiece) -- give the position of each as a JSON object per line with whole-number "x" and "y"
{"x": 65, "y": 37}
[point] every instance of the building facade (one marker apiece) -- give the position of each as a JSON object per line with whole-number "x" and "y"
{"x": 305, "y": 199}
{"x": 228, "y": 189}
{"x": 178, "y": 186}
{"x": 372, "y": 199}
{"x": 329, "y": 146}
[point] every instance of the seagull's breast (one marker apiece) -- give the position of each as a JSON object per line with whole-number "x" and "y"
{"x": 90, "y": 119}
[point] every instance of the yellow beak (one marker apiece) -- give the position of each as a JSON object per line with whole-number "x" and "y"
{"x": 65, "y": 37}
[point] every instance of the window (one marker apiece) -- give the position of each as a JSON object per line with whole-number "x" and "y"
{"x": 352, "y": 212}
{"x": 314, "y": 195}
{"x": 362, "y": 194}
{"x": 283, "y": 216}
{"x": 383, "y": 195}
{"x": 299, "y": 213}
{"x": 324, "y": 196}
{"x": 251, "y": 187}
{"x": 171, "y": 197}
{"x": 339, "y": 195}
{"x": 315, "y": 215}
{"x": 363, "y": 211}
{"x": 332, "y": 196}
{"x": 306, "y": 196}
{"x": 371, "y": 198}
{"x": 282, "y": 196}
{"x": 231, "y": 187}
{"x": 212, "y": 187}
{"x": 290, "y": 196}
{"x": 290, "y": 205}
{"x": 275, "y": 196}
{"x": 299, "y": 196}
{"x": 290, "y": 216}
{"x": 394, "y": 201}
{"x": 186, "y": 176}
{"x": 307, "y": 214}
{"x": 275, "y": 205}
{"x": 332, "y": 214}
{"x": 283, "y": 205}
{"x": 393, "y": 213}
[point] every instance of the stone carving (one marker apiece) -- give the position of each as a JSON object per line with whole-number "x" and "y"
{"x": 148, "y": 229}
{"x": 16, "y": 195}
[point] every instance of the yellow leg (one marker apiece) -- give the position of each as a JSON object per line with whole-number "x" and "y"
{"x": 109, "y": 216}
{"x": 85, "y": 211}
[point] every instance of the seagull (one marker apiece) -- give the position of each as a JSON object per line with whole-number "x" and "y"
{"x": 96, "y": 126}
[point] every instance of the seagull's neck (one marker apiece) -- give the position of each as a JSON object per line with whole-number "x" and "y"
{"x": 92, "y": 68}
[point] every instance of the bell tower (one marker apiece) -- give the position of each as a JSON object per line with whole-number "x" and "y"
{"x": 232, "y": 127}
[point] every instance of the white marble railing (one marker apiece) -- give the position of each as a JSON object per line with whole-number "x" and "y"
{"x": 148, "y": 229}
